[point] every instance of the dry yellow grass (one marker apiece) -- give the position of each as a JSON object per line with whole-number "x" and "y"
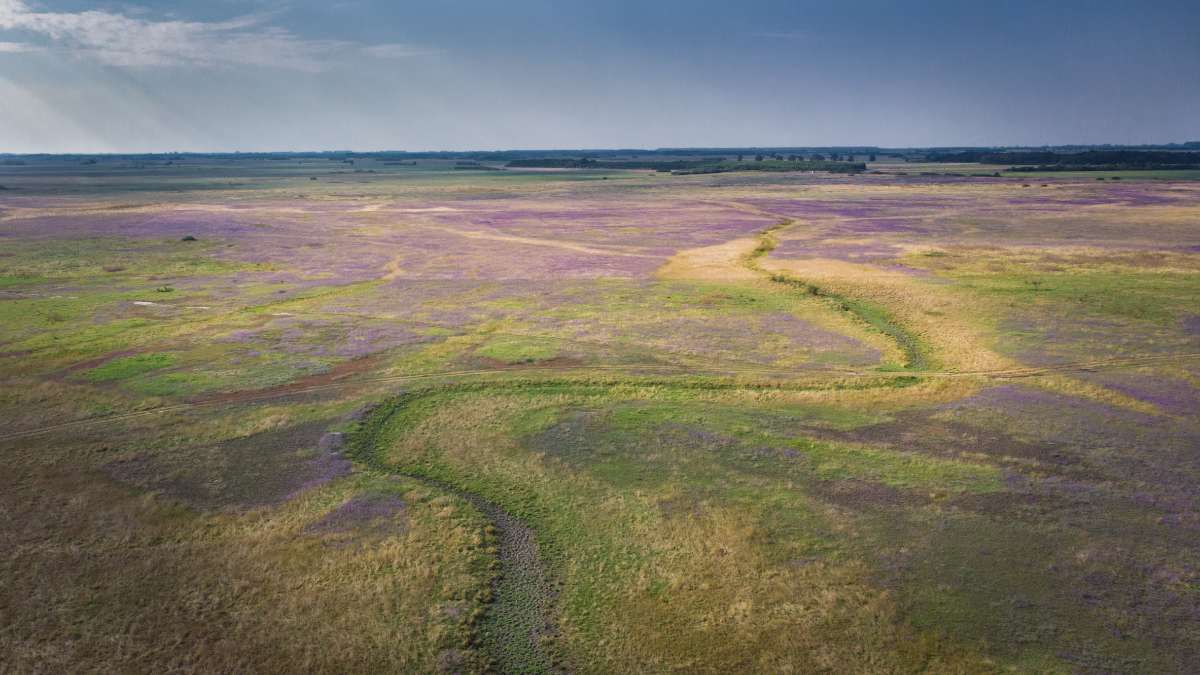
{"x": 721, "y": 263}
{"x": 144, "y": 586}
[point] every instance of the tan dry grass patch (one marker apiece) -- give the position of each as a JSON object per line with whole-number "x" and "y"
{"x": 720, "y": 263}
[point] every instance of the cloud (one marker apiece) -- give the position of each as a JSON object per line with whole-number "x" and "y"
{"x": 121, "y": 40}
{"x": 17, "y": 47}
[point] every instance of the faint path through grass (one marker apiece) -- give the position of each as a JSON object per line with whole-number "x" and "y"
{"x": 541, "y": 241}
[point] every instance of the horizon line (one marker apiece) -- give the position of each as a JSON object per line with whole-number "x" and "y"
{"x": 695, "y": 148}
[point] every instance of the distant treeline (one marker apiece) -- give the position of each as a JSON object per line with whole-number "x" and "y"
{"x": 589, "y": 163}
{"x": 1124, "y": 160}
{"x": 636, "y": 154}
{"x": 689, "y": 166}
{"x": 776, "y": 165}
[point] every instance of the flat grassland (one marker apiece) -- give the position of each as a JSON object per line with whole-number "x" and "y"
{"x": 302, "y": 416}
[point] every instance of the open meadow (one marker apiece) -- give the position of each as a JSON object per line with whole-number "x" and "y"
{"x": 340, "y": 415}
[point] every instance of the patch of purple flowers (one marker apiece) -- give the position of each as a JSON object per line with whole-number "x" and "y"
{"x": 363, "y": 514}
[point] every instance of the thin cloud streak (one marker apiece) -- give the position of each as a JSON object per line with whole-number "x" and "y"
{"x": 398, "y": 51}
{"x": 17, "y": 47}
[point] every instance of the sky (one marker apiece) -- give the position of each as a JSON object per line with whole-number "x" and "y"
{"x": 261, "y": 75}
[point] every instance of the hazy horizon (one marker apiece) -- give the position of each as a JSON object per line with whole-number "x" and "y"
{"x": 693, "y": 148}
{"x": 362, "y": 75}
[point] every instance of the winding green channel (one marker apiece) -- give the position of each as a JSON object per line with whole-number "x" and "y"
{"x": 522, "y": 612}
{"x": 915, "y": 357}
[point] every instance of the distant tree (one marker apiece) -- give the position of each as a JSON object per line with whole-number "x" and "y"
{"x": 741, "y": 157}
{"x": 870, "y": 158}
{"x": 758, "y": 158}
{"x": 818, "y": 158}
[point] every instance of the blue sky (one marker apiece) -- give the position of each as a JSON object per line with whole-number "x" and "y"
{"x": 472, "y": 74}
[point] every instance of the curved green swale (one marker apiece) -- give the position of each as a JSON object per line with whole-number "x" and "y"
{"x": 585, "y": 538}
{"x": 915, "y": 353}
{"x": 520, "y": 614}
